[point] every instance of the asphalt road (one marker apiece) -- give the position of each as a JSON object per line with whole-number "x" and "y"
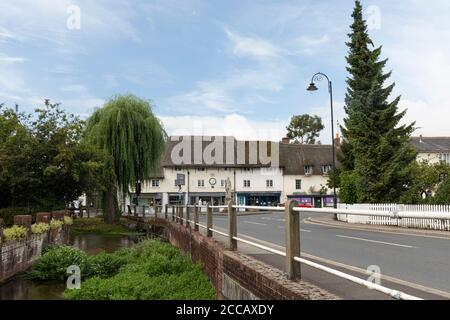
{"x": 418, "y": 265}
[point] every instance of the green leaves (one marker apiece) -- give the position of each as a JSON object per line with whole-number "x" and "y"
{"x": 305, "y": 129}
{"x": 376, "y": 152}
{"x": 130, "y": 133}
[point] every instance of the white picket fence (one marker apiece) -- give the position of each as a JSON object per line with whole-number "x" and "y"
{"x": 432, "y": 224}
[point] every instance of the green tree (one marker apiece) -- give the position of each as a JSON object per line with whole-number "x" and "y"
{"x": 129, "y": 131}
{"x": 42, "y": 163}
{"x": 376, "y": 146}
{"x": 304, "y": 129}
{"x": 443, "y": 192}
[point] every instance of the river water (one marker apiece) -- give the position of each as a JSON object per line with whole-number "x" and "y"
{"x": 20, "y": 288}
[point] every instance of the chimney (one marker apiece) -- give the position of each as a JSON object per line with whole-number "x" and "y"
{"x": 285, "y": 140}
{"x": 337, "y": 140}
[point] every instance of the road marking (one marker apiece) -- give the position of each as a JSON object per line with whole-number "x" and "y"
{"x": 255, "y": 223}
{"x": 374, "y": 241}
{"x": 304, "y": 230}
{"x": 416, "y": 286}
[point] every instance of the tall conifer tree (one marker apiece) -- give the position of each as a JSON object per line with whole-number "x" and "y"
{"x": 376, "y": 147}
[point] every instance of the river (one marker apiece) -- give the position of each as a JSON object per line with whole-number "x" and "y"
{"x": 21, "y": 288}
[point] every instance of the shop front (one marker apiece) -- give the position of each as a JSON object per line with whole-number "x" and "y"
{"x": 313, "y": 200}
{"x": 214, "y": 198}
{"x": 263, "y": 199}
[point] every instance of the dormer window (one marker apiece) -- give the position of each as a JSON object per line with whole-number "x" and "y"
{"x": 308, "y": 170}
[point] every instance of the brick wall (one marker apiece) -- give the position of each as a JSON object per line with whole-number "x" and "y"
{"x": 18, "y": 256}
{"x": 237, "y": 276}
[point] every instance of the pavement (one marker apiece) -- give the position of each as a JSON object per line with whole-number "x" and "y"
{"x": 415, "y": 263}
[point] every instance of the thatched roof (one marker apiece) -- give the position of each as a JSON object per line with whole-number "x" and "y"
{"x": 239, "y": 154}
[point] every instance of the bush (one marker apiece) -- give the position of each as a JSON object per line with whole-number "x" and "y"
{"x": 7, "y": 214}
{"x": 348, "y": 191}
{"x": 56, "y": 224}
{"x": 68, "y": 220}
{"x": 52, "y": 266}
{"x": 40, "y": 228}
{"x": 443, "y": 193}
{"x": 14, "y": 233}
{"x": 105, "y": 265}
{"x": 151, "y": 270}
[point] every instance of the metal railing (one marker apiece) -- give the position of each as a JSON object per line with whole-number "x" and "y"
{"x": 292, "y": 253}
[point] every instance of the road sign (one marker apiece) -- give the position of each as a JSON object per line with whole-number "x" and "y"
{"x": 181, "y": 179}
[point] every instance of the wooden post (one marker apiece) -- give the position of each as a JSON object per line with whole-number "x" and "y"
{"x": 173, "y": 213}
{"x": 166, "y": 211}
{"x": 292, "y": 232}
{"x": 181, "y": 214}
{"x": 188, "y": 217}
{"x": 232, "y": 226}
{"x": 196, "y": 218}
{"x": 143, "y": 210}
{"x": 209, "y": 221}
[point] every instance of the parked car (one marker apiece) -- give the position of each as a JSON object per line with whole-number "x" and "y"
{"x": 300, "y": 205}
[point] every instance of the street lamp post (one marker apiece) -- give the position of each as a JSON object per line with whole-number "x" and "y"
{"x": 312, "y": 87}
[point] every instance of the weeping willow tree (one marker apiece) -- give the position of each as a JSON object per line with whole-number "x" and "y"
{"x": 128, "y": 130}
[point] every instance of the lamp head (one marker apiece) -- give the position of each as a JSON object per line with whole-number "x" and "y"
{"x": 312, "y": 87}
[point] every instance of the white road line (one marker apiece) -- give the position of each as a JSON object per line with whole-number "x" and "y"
{"x": 273, "y": 219}
{"x": 255, "y": 223}
{"x": 301, "y": 230}
{"x": 374, "y": 241}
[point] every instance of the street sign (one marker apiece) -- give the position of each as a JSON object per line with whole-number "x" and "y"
{"x": 181, "y": 179}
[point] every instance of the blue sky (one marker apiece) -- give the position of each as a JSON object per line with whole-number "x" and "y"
{"x": 219, "y": 67}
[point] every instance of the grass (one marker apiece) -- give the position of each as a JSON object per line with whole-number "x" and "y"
{"x": 98, "y": 226}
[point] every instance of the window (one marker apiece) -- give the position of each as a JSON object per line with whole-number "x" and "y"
{"x": 445, "y": 157}
{"x": 155, "y": 183}
{"x": 176, "y": 183}
{"x": 246, "y": 183}
{"x": 201, "y": 183}
{"x": 269, "y": 183}
{"x": 201, "y": 169}
{"x": 177, "y": 168}
{"x": 326, "y": 169}
{"x": 308, "y": 170}
{"x": 298, "y": 184}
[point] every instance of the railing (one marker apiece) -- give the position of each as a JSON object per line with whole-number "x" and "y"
{"x": 292, "y": 253}
{"x": 426, "y": 219}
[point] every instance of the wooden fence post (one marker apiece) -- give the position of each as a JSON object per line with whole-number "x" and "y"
{"x": 196, "y": 218}
{"x": 166, "y": 211}
{"x": 232, "y": 226}
{"x": 292, "y": 232}
{"x": 209, "y": 221}
{"x": 181, "y": 214}
{"x": 188, "y": 216}
{"x": 173, "y": 213}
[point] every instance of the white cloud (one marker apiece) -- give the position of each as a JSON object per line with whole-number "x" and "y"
{"x": 244, "y": 46}
{"x": 309, "y": 45}
{"x": 11, "y": 60}
{"x": 235, "y": 125}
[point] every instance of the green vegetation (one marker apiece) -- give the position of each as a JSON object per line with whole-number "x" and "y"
{"x": 40, "y": 228}
{"x": 14, "y": 233}
{"x": 376, "y": 147}
{"x": 150, "y": 270}
{"x": 97, "y": 226}
{"x": 53, "y": 264}
{"x": 134, "y": 137}
{"x": 304, "y": 129}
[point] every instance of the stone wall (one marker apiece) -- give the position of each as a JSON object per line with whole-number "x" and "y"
{"x": 18, "y": 256}
{"x": 237, "y": 276}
